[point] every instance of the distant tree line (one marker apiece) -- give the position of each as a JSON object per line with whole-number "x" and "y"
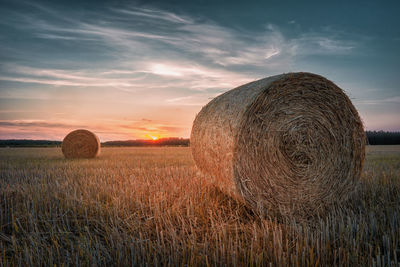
{"x": 28, "y": 143}
{"x": 172, "y": 141}
{"x": 374, "y": 138}
{"x": 383, "y": 138}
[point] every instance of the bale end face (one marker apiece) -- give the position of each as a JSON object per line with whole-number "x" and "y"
{"x": 81, "y": 144}
{"x": 296, "y": 147}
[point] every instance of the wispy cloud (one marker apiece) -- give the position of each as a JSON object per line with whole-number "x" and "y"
{"x": 155, "y": 14}
{"x": 314, "y": 44}
{"x": 39, "y": 124}
{"x": 391, "y": 100}
{"x": 168, "y": 75}
{"x": 59, "y": 77}
{"x": 179, "y": 99}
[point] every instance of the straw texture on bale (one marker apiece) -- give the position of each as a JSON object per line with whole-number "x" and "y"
{"x": 291, "y": 144}
{"x": 81, "y": 144}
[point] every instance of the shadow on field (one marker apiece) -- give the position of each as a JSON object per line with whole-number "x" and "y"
{"x": 228, "y": 205}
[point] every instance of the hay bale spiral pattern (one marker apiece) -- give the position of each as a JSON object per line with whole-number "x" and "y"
{"x": 81, "y": 144}
{"x": 291, "y": 144}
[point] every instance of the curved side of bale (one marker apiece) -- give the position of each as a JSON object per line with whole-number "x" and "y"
{"x": 81, "y": 144}
{"x": 215, "y": 127}
{"x": 291, "y": 145}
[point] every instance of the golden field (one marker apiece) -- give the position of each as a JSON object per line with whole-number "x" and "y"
{"x": 151, "y": 207}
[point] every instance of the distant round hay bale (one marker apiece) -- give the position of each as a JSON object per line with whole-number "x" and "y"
{"x": 81, "y": 144}
{"x": 291, "y": 144}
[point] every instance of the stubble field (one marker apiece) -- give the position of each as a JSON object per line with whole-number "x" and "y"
{"x": 150, "y": 206}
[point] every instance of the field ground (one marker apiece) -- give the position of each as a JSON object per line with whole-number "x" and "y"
{"x": 150, "y": 206}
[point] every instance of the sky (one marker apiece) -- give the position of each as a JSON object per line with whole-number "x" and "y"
{"x": 143, "y": 69}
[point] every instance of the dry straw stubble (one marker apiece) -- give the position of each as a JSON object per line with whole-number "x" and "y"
{"x": 290, "y": 145}
{"x": 81, "y": 144}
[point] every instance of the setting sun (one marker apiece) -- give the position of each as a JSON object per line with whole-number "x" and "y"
{"x": 153, "y": 137}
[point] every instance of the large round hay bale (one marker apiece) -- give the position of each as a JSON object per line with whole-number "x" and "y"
{"x": 291, "y": 144}
{"x": 81, "y": 144}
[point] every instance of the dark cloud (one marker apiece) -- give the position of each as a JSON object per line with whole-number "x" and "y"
{"x": 37, "y": 124}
